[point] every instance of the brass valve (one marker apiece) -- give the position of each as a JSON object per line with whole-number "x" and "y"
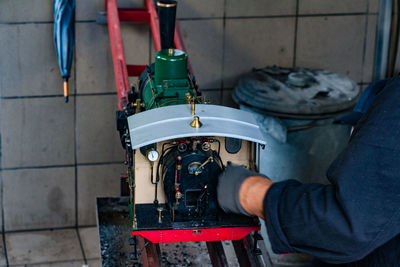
{"x": 138, "y": 104}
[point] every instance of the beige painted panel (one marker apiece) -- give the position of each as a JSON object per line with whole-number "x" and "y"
{"x": 145, "y": 190}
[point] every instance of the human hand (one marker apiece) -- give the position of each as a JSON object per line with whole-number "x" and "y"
{"x": 236, "y": 188}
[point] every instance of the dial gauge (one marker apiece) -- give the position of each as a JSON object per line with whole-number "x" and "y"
{"x": 152, "y": 155}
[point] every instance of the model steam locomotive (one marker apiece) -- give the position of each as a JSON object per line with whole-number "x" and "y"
{"x": 176, "y": 147}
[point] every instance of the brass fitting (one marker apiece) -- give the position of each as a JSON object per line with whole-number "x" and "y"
{"x": 138, "y": 105}
{"x": 196, "y": 123}
{"x": 192, "y": 108}
{"x": 188, "y": 98}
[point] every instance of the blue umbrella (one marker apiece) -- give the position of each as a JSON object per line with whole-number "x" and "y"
{"x": 64, "y": 35}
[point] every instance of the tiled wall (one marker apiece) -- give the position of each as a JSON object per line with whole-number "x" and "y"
{"x": 56, "y": 158}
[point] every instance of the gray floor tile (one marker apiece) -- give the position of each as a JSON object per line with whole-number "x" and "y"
{"x": 26, "y": 11}
{"x": 240, "y": 8}
{"x": 370, "y": 49}
{"x": 28, "y": 63}
{"x": 332, "y": 6}
{"x": 203, "y": 42}
{"x": 200, "y": 9}
{"x": 97, "y": 136}
{"x": 39, "y": 198}
{"x": 37, "y": 132}
{"x": 43, "y": 246}
{"x": 332, "y": 43}
{"x": 94, "y": 64}
{"x": 96, "y": 181}
{"x": 90, "y": 242}
{"x": 256, "y": 43}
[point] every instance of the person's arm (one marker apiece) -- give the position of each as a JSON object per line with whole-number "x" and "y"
{"x": 251, "y": 194}
{"x": 360, "y": 210}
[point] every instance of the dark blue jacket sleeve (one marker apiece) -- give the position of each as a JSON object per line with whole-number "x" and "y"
{"x": 360, "y": 210}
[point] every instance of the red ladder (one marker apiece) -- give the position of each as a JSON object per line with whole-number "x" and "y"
{"x": 122, "y": 71}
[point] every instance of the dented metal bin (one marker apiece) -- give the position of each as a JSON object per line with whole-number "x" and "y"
{"x": 296, "y": 109}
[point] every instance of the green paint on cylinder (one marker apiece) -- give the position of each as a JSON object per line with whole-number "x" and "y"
{"x": 170, "y": 82}
{"x": 170, "y": 66}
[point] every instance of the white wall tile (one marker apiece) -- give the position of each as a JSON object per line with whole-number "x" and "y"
{"x": 26, "y": 11}
{"x": 200, "y": 9}
{"x": 37, "y": 132}
{"x": 94, "y": 64}
{"x": 39, "y": 198}
{"x": 256, "y": 43}
{"x": 28, "y": 64}
{"x": 332, "y": 43}
{"x": 203, "y": 43}
{"x": 332, "y": 6}
{"x": 93, "y": 182}
{"x": 97, "y": 136}
{"x": 240, "y": 8}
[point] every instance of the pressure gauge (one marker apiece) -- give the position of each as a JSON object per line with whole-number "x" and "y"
{"x": 152, "y": 155}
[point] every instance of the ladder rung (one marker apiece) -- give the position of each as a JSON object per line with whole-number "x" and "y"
{"x": 133, "y": 15}
{"x": 135, "y": 70}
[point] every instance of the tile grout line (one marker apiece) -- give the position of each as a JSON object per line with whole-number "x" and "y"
{"x": 48, "y": 262}
{"x": 75, "y": 144}
{"x": 81, "y": 245}
{"x": 3, "y": 234}
{"x": 76, "y": 95}
{"x": 54, "y": 96}
{"x": 221, "y": 93}
{"x": 296, "y": 23}
{"x": 42, "y": 22}
{"x": 76, "y": 161}
{"x": 210, "y": 18}
{"x": 61, "y": 166}
{"x": 72, "y": 227}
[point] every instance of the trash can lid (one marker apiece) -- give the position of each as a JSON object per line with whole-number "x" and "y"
{"x": 296, "y": 92}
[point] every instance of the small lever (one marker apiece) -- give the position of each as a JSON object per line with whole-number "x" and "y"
{"x": 210, "y": 159}
{"x": 160, "y": 210}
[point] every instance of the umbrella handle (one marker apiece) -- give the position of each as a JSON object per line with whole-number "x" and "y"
{"x": 66, "y": 90}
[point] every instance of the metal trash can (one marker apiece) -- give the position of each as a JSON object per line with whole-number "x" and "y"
{"x": 296, "y": 109}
